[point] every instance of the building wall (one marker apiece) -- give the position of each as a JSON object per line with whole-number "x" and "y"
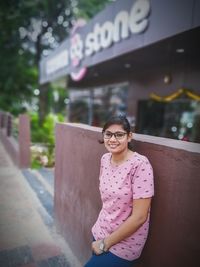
{"x": 174, "y": 232}
{"x": 152, "y": 81}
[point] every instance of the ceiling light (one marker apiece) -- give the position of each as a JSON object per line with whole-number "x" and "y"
{"x": 127, "y": 65}
{"x": 167, "y": 79}
{"x": 180, "y": 50}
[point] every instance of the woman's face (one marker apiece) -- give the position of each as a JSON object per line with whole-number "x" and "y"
{"x": 119, "y": 143}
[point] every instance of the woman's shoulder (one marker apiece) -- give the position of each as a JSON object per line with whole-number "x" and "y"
{"x": 106, "y": 156}
{"x": 139, "y": 158}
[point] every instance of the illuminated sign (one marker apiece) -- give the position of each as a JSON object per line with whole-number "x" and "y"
{"x": 124, "y": 23}
{"x": 102, "y": 36}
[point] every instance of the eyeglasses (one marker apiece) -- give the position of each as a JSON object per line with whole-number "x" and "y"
{"x": 117, "y": 135}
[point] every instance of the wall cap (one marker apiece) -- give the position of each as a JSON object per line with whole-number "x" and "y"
{"x": 177, "y": 144}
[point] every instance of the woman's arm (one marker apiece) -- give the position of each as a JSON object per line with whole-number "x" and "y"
{"x": 126, "y": 229}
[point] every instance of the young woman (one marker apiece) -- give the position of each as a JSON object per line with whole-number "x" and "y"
{"x": 126, "y": 188}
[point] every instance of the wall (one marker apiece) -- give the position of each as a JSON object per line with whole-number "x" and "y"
{"x": 24, "y": 140}
{"x": 77, "y": 199}
{"x": 173, "y": 239}
{"x": 174, "y": 233}
{"x": 11, "y": 146}
{"x": 18, "y": 148}
{"x": 151, "y": 81}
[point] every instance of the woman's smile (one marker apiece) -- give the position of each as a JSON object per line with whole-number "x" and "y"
{"x": 113, "y": 146}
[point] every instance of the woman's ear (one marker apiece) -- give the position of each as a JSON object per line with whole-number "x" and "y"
{"x": 130, "y": 136}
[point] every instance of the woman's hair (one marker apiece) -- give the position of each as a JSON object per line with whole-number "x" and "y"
{"x": 119, "y": 120}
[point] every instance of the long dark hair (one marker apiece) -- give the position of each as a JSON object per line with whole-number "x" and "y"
{"x": 119, "y": 120}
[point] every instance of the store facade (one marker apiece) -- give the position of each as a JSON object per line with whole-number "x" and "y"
{"x": 149, "y": 49}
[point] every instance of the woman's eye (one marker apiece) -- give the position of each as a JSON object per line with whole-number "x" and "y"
{"x": 119, "y": 135}
{"x": 108, "y": 134}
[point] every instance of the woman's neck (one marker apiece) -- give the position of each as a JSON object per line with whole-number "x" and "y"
{"x": 121, "y": 157}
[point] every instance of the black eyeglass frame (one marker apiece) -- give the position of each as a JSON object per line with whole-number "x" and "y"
{"x": 115, "y": 135}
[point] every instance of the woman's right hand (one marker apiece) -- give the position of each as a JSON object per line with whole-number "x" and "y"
{"x": 96, "y": 247}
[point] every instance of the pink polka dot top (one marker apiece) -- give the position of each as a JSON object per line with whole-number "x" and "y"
{"x": 119, "y": 186}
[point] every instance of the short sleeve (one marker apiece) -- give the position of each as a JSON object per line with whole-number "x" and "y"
{"x": 103, "y": 163}
{"x": 101, "y": 166}
{"x": 142, "y": 180}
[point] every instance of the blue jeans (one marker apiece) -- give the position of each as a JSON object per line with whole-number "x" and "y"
{"x": 108, "y": 259}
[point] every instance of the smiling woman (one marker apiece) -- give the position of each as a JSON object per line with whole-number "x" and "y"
{"x": 126, "y": 188}
{"x": 116, "y": 141}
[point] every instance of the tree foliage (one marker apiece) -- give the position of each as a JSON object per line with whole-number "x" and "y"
{"x": 29, "y": 30}
{"x": 89, "y": 8}
{"x": 18, "y": 76}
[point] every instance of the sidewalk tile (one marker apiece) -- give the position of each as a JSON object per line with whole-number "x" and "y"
{"x": 63, "y": 261}
{"x": 29, "y": 265}
{"x": 20, "y": 256}
{"x": 43, "y": 263}
{"x": 58, "y": 261}
{"x": 45, "y": 251}
{"x": 4, "y": 258}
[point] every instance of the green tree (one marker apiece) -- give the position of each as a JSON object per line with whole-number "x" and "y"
{"x": 89, "y": 8}
{"x": 29, "y": 30}
{"x": 17, "y": 74}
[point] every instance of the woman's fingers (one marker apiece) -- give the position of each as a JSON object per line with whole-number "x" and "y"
{"x": 95, "y": 247}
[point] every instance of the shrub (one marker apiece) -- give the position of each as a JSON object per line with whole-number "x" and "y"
{"x": 43, "y": 138}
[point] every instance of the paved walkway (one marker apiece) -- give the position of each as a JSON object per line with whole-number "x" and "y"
{"x": 28, "y": 237}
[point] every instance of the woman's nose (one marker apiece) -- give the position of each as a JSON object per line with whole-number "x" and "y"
{"x": 113, "y": 138}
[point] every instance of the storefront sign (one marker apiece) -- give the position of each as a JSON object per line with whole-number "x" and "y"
{"x": 61, "y": 60}
{"x": 76, "y": 52}
{"x": 123, "y": 25}
{"x": 102, "y": 36}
